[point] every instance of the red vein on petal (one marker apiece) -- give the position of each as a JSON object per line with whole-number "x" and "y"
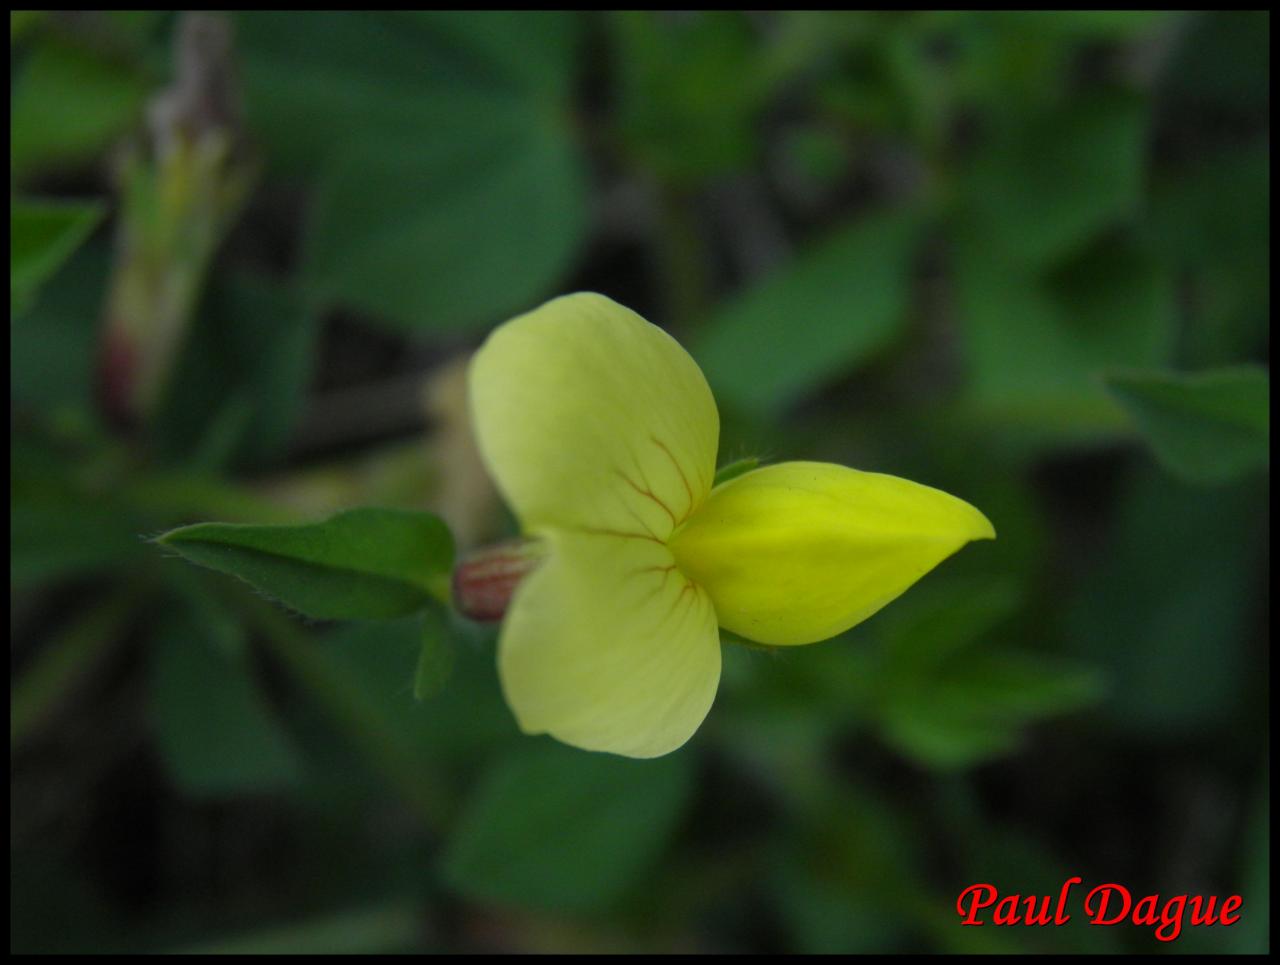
{"x": 679, "y": 469}
{"x": 648, "y": 493}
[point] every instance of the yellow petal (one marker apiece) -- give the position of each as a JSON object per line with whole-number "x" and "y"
{"x": 609, "y": 648}
{"x": 800, "y": 551}
{"x": 589, "y": 417}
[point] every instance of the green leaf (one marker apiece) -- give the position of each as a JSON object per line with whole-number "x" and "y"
{"x": 361, "y": 564}
{"x": 315, "y": 85}
{"x": 977, "y": 710}
{"x": 1046, "y": 185}
{"x": 68, "y": 104}
{"x": 557, "y": 828}
{"x": 1019, "y": 686}
{"x": 1172, "y": 610}
{"x": 941, "y": 618}
{"x": 827, "y": 312}
{"x": 948, "y": 701}
{"x": 21, "y": 22}
{"x": 214, "y": 731}
{"x": 450, "y": 192}
{"x": 943, "y": 737}
{"x": 360, "y": 675}
{"x": 1210, "y": 219}
{"x": 689, "y": 90}
{"x": 1035, "y": 344}
{"x": 246, "y": 364}
{"x": 426, "y": 239}
{"x": 42, "y": 236}
{"x": 435, "y": 659}
{"x": 1209, "y": 427}
{"x": 54, "y": 342}
{"x": 374, "y": 665}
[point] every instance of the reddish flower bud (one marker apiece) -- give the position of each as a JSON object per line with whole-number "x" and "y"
{"x": 485, "y": 581}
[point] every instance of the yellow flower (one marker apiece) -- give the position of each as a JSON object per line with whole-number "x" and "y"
{"x": 601, "y": 433}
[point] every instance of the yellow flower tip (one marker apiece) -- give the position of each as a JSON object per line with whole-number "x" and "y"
{"x": 798, "y": 552}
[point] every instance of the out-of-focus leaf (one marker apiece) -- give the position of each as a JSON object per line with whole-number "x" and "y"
{"x": 819, "y": 155}
{"x": 1021, "y": 686}
{"x": 450, "y": 192}
{"x": 946, "y": 699}
{"x": 1165, "y": 613}
{"x": 1036, "y": 346}
{"x": 52, "y": 540}
{"x": 316, "y": 84}
{"x": 53, "y": 344}
{"x": 785, "y": 701}
{"x": 21, "y": 21}
{"x": 848, "y": 881}
{"x": 975, "y": 710}
{"x": 942, "y": 736}
{"x": 360, "y": 564}
{"x": 1046, "y": 186}
{"x": 427, "y": 241}
{"x": 214, "y": 731}
{"x": 65, "y": 659}
{"x": 830, "y": 310}
{"x": 1208, "y": 427}
{"x": 544, "y": 66}
{"x": 1210, "y": 219}
{"x": 554, "y": 827}
{"x": 377, "y": 664}
{"x": 42, "y": 236}
{"x": 68, "y": 104}
{"x": 251, "y": 349}
{"x": 435, "y": 659}
{"x": 360, "y": 676}
{"x": 689, "y": 90}
{"x": 941, "y": 618}
{"x": 219, "y": 625}
{"x": 60, "y": 528}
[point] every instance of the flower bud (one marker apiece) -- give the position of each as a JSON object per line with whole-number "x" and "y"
{"x": 485, "y": 581}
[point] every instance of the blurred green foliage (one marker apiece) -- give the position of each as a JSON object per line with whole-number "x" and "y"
{"x": 1022, "y": 256}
